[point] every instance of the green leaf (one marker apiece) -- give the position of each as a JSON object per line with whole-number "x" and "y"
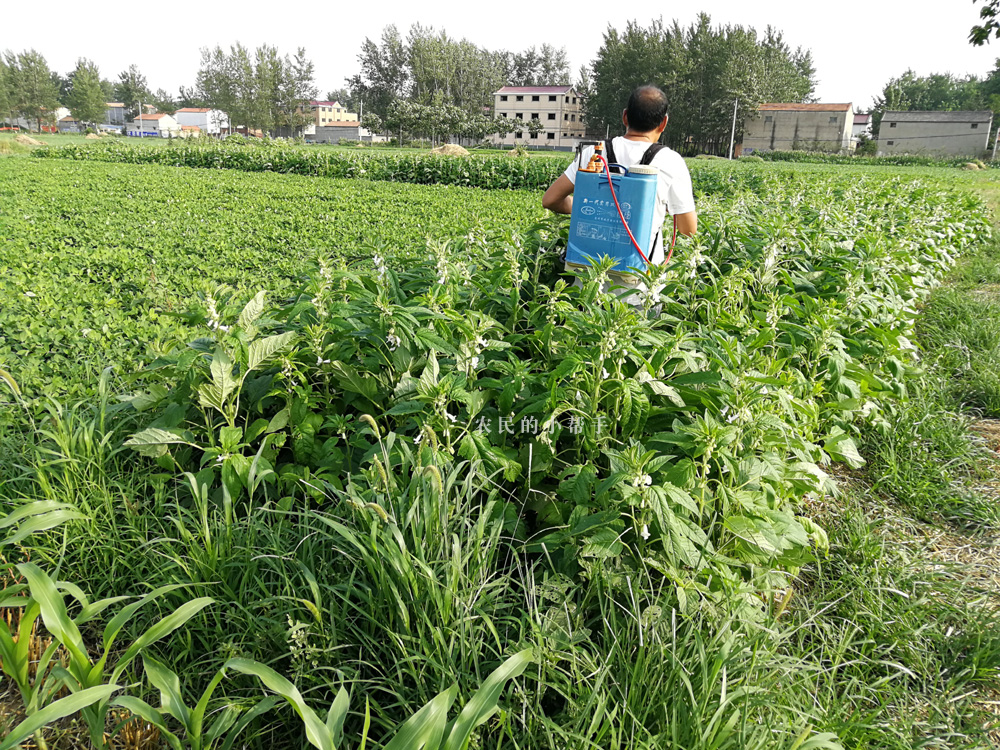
{"x": 169, "y": 685}
{"x": 253, "y": 310}
{"x": 152, "y": 441}
{"x": 484, "y": 703}
{"x": 59, "y": 709}
{"x": 261, "y": 350}
{"x": 842, "y": 447}
{"x": 57, "y": 620}
{"x": 425, "y": 729}
{"x": 161, "y": 629}
{"x": 222, "y": 373}
{"x": 317, "y": 733}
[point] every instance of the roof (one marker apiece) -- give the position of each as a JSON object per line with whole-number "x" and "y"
{"x": 778, "y": 107}
{"x": 69, "y": 118}
{"x": 534, "y": 90}
{"x": 190, "y": 127}
{"x": 194, "y": 109}
{"x": 325, "y": 104}
{"x": 958, "y": 116}
{"x": 114, "y": 104}
{"x": 152, "y": 117}
{"x": 862, "y": 119}
{"x": 343, "y": 124}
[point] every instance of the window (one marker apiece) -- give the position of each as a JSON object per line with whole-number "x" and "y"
{"x": 550, "y": 136}
{"x": 565, "y": 136}
{"x": 565, "y": 117}
{"x": 534, "y": 136}
{"x": 572, "y": 118}
{"x": 567, "y": 100}
{"x": 574, "y": 100}
{"x": 552, "y": 98}
{"x": 534, "y": 98}
{"x": 889, "y": 143}
{"x": 518, "y": 134}
{"x": 975, "y": 125}
{"x": 534, "y": 115}
{"x": 503, "y": 114}
{"x": 892, "y": 124}
{"x": 519, "y": 116}
{"x": 768, "y": 118}
{"x": 519, "y": 98}
{"x": 833, "y": 120}
{"x": 552, "y": 115}
{"x": 503, "y": 97}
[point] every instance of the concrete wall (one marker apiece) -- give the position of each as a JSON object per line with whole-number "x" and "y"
{"x": 560, "y": 114}
{"x": 933, "y": 138}
{"x": 784, "y": 130}
{"x": 211, "y": 122}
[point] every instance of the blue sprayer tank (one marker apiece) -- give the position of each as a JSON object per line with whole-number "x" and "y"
{"x": 595, "y": 228}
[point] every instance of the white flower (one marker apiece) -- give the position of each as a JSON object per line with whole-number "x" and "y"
{"x": 605, "y": 374}
{"x": 418, "y": 438}
{"x": 645, "y": 532}
{"x": 393, "y": 341}
{"x": 764, "y": 391}
{"x": 647, "y": 480}
{"x": 474, "y": 363}
{"x": 321, "y": 361}
{"x": 450, "y": 417}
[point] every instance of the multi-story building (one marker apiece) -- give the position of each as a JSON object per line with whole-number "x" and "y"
{"x": 935, "y": 133}
{"x": 799, "y": 127}
{"x": 326, "y": 113}
{"x": 208, "y": 121}
{"x": 558, "y": 108}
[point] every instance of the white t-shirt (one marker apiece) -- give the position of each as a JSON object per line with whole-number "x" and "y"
{"x": 673, "y": 191}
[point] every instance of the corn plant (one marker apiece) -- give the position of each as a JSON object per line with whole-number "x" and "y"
{"x": 85, "y": 676}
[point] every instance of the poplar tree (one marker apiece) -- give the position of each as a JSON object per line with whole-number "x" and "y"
{"x": 86, "y": 96}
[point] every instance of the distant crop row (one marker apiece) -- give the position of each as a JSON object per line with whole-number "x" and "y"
{"x": 491, "y": 172}
{"x": 895, "y": 160}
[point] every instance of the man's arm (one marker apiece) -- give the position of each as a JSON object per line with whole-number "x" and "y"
{"x": 687, "y": 224}
{"x": 559, "y": 197}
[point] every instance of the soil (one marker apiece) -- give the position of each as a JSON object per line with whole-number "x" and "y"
{"x": 27, "y": 140}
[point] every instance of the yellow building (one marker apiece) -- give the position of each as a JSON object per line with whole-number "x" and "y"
{"x": 327, "y": 113}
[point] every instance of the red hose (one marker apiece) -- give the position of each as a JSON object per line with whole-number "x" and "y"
{"x": 673, "y": 240}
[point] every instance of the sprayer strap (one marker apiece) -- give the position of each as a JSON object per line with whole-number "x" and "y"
{"x": 651, "y": 152}
{"x": 609, "y": 154}
{"x": 647, "y": 157}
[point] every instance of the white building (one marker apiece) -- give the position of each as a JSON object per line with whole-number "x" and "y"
{"x": 961, "y": 133}
{"x": 208, "y": 121}
{"x": 559, "y": 109}
{"x": 153, "y": 126}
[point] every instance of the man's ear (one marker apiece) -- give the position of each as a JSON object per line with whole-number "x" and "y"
{"x": 625, "y": 118}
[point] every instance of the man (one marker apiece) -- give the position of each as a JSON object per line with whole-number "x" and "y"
{"x": 645, "y": 119}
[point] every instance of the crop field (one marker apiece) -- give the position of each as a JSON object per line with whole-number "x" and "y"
{"x": 318, "y": 459}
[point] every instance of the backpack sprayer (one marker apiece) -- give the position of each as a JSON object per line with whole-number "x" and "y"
{"x": 613, "y": 214}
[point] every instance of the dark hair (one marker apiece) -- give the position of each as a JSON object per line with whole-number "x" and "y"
{"x": 646, "y": 108}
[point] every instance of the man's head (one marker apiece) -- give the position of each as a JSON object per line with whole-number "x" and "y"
{"x": 646, "y": 110}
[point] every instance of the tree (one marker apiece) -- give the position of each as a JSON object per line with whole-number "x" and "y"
{"x": 34, "y": 96}
{"x": 384, "y": 75}
{"x": 132, "y": 90}
{"x": 704, "y": 70}
{"x": 86, "y": 97}
{"x": 990, "y": 27}
{"x": 6, "y": 92}
{"x": 344, "y": 97}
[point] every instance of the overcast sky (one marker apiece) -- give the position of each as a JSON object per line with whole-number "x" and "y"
{"x": 856, "y": 46}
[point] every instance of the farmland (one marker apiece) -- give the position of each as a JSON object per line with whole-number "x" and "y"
{"x": 363, "y": 434}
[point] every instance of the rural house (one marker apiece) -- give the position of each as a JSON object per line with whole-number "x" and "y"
{"x": 334, "y": 132}
{"x": 153, "y": 126}
{"x": 208, "y": 121}
{"x": 862, "y": 126}
{"x": 70, "y": 124}
{"x": 326, "y": 113}
{"x": 935, "y": 133}
{"x": 558, "y": 108}
{"x": 799, "y": 127}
